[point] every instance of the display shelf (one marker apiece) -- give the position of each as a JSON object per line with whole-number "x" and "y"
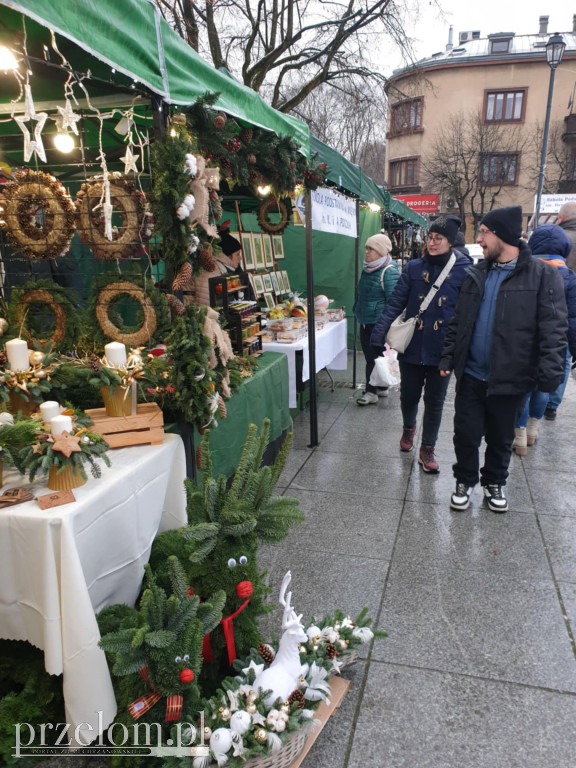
{"x": 238, "y": 315}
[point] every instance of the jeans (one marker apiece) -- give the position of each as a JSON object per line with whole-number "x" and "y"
{"x": 478, "y": 415}
{"x": 534, "y": 407}
{"x": 558, "y": 394}
{"x": 368, "y": 350}
{"x": 414, "y": 378}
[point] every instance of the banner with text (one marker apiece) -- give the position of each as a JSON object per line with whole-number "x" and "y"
{"x": 333, "y": 212}
{"x": 420, "y": 203}
{"x": 553, "y": 203}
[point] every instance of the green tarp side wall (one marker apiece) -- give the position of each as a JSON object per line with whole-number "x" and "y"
{"x": 130, "y": 36}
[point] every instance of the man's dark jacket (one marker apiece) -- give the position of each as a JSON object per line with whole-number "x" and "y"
{"x": 529, "y": 336}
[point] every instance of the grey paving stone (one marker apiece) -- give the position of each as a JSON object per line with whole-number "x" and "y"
{"x": 346, "y": 524}
{"x": 476, "y": 540}
{"x": 455, "y": 620}
{"x": 414, "y": 718}
{"x": 568, "y": 592}
{"x": 554, "y": 492}
{"x": 344, "y": 473}
{"x": 560, "y": 537}
{"x": 296, "y": 459}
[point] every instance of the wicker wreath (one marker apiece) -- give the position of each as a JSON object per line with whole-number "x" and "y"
{"x": 42, "y": 297}
{"x": 125, "y": 198}
{"x": 268, "y": 206}
{"x": 23, "y": 198}
{"x": 149, "y": 323}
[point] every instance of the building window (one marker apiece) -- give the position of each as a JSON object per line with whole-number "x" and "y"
{"x": 500, "y": 46}
{"x": 406, "y": 116}
{"x": 500, "y": 168}
{"x": 404, "y": 173}
{"x": 504, "y": 106}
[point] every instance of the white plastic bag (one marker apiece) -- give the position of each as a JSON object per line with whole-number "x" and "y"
{"x": 383, "y": 374}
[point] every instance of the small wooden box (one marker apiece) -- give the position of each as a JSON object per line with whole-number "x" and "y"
{"x": 146, "y": 427}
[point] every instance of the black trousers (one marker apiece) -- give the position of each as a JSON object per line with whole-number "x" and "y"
{"x": 414, "y": 379}
{"x": 368, "y": 350}
{"x": 479, "y": 415}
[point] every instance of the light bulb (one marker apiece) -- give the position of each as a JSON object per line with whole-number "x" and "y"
{"x": 374, "y": 207}
{"x": 7, "y": 59}
{"x": 64, "y": 143}
{"x": 264, "y": 190}
{"x": 173, "y": 133}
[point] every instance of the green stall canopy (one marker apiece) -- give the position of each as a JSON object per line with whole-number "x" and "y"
{"x": 132, "y": 37}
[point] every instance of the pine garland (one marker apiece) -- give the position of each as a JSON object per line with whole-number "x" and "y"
{"x": 14, "y": 437}
{"x": 40, "y": 457}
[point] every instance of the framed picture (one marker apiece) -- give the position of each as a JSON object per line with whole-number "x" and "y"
{"x": 275, "y": 286}
{"x": 268, "y": 255}
{"x": 267, "y": 282}
{"x": 269, "y": 299}
{"x": 258, "y": 250}
{"x": 287, "y": 288}
{"x": 280, "y": 280}
{"x": 258, "y": 285}
{"x": 247, "y": 250}
{"x": 278, "y": 246}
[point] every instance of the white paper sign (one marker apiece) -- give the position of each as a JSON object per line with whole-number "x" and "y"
{"x": 553, "y": 203}
{"x": 333, "y": 212}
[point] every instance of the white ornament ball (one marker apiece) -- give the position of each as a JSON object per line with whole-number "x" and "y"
{"x": 321, "y": 303}
{"x": 313, "y": 632}
{"x": 35, "y": 357}
{"x": 240, "y": 721}
{"x": 221, "y": 740}
{"x": 3, "y": 326}
{"x": 6, "y": 418}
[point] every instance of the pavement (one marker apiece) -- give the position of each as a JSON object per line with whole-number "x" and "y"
{"x": 479, "y": 669}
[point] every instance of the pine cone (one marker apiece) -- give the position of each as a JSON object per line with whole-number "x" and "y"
{"x": 297, "y": 696}
{"x": 222, "y": 407}
{"x": 3, "y": 358}
{"x": 254, "y": 176}
{"x": 94, "y": 362}
{"x": 205, "y": 258}
{"x": 219, "y": 122}
{"x": 176, "y": 305}
{"x": 213, "y": 195}
{"x": 246, "y": 136}
{"x": 331, "y": 651}
{"x": 265, "y": 652}
{"x": 183, "y": 278}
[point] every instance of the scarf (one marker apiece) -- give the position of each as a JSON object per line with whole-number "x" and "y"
{"x": 372, "y": 266}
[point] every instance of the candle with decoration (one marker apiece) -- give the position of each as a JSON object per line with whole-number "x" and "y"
{"x": 17, "y": 354}
{"x": 49, "y": 410}
{"x": 60, "y": 424}
{"x": 115, "y": 354}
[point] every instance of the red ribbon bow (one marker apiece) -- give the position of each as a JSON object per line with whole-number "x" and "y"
{"x": 144, "y": 703}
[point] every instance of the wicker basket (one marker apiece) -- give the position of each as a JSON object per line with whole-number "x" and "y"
{"x": 285, "y": 756}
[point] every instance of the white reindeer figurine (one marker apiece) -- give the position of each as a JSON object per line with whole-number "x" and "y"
{"x": 282, "y": 675}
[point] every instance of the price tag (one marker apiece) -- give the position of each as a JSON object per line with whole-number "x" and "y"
{"x": 55, "y": 499}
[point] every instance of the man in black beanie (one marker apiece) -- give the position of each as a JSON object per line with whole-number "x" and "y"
{"x": 506, "y": 338}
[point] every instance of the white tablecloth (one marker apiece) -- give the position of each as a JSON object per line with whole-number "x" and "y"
{"x": 330, "y": 353}
{"x": 60, "y": 566}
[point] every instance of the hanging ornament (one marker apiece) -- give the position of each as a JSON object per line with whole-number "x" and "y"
{"x": 107, "y": 210}
{"x": 69, "y": 118}
{"x": 34, "y": 145}
{"x": 260, "y": 735}
{"x": 130, "y": 161}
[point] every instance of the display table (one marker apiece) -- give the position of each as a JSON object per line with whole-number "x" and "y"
{"x": 331, "y": 352}
{"x": 264, "y": 395}
{"x": 60, "y": 566}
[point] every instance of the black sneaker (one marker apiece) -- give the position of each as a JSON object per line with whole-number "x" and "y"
{"x": 460, "y": 499}
{"x": 495, "y": 498}
{"x": 550, "y": 414}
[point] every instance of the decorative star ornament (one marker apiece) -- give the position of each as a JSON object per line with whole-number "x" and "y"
{"x": 256, "y": 667}
{"x": 130, "y": 161}
{"x": 258, "y": 719}
{"x": 67, "y": 444}
{"x": 69, "y": 117}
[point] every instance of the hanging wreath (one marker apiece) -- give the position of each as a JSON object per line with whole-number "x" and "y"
{"x": 128, "y": 201}
{"x": 284, "y": 208}
{"x": 106, "y": 323}
{"x": 39, "y": 215}
{"x": 27, "y": 315}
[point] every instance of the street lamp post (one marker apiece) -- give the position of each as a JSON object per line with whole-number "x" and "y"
{"x": 554, "y": 52}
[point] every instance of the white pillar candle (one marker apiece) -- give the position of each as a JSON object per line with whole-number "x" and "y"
{"x": 60, "y": 424}
{"x": 49, "y": 410}
{"x": 17, "y": 354}
{"x": 115, "y": 353}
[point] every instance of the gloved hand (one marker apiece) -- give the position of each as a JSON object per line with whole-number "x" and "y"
{"x": 378, "y": 351}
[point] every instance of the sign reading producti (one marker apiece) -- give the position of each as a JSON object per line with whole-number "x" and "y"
{"x": 420, "y": 203}
{"x": 333, "y": 212}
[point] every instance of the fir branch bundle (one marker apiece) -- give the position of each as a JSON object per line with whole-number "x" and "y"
{"x": 39, "y": 457}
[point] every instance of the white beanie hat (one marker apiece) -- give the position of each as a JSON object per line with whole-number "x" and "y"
{"x": 380, "y": 243}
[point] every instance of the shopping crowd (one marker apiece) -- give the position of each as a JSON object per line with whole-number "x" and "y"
{"x": 505, "y": 327}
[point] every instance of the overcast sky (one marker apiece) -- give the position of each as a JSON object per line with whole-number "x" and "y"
{"x": 430, "y": 32}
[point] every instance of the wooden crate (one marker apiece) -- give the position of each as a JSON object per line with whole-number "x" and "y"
{"x": 146, "y": 427}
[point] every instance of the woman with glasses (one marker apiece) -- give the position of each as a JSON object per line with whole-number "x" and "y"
{"x": 379, "y": 276}
{"x": 419, "y": 363}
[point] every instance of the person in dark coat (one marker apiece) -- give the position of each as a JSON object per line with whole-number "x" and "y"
{"x": 460, "y": 246}
{"x": 377, "y": 281}
{"x": 550, "y": 244}
{"x": 507, "y": 337}
{"x": 567, "y": 220}
{"x": 419, "y": 363}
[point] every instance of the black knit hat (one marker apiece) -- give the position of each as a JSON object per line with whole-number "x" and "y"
{"x": 446, "y": 225}
{"x": 505, "y": 223}
{"x": 228, "y": 243}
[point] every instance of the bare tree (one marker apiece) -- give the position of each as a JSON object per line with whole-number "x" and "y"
{"x": 559, "y": 158}
{"x": 286, "y": 49}
{"x": 470, "y": 162}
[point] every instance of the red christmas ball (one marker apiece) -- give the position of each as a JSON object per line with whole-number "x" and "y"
{"x": 244, "y": 589}
{"x": 186, "y": 676}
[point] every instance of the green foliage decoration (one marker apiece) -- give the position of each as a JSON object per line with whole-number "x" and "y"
{"x": 40, "y": 457}
{"x": 14, "y": 437}
{"x": 219, "y": 546}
